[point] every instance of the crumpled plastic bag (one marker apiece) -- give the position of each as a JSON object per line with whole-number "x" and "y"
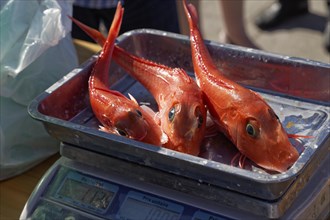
{"x": 36, "y": 51}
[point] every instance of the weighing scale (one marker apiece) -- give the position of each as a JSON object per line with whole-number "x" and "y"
{"x": 101, "y": 189}
{"x": 105, "y": 176}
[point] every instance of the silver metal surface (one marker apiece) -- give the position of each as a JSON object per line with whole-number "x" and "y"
{"x": 297, "y": 89}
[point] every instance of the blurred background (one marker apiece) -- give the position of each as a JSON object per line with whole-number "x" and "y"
{"x": 301, "y": 36}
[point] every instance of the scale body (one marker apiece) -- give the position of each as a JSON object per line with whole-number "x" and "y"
{"x": 74, "y": 188}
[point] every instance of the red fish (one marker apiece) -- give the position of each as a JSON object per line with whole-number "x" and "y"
{"x": 182, "y": 113}
{"x": 241, "y": 114}
{"x": 117, "y": 113}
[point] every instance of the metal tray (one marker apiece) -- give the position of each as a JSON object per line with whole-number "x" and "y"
{"x": 297, "y": 89}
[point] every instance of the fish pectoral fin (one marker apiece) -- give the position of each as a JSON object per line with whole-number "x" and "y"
{"x": 107, "y": 130}
{"x": 148, "y": 110}
{"x": 151, "y": 113}
{"x": 132, "y": 98}
{"x": 164, "y": 138}
{"x": 101, "y": 128}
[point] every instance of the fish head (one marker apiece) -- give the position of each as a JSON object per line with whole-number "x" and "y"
{"x": 261, "y": 137}
{"x": 128, "y": 121}
{"x": 184, "y": 123}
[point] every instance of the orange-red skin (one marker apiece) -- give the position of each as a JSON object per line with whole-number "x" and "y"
{"x": 170, "y": 87}
{"x": 113, "y": 109}
{"x": 233, "y": 107}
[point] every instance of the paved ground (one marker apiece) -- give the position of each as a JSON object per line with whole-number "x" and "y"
{"x": 300, "y": 37}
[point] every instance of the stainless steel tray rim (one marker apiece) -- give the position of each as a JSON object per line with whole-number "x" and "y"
{"x": 235, "y": 48}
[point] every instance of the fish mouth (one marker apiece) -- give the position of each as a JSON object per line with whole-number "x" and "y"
{"x": 287, "y": 159}
{"x": 282, "y": 161}
{"x": 139, "y": 136}
{"x": 188, "y": 147}
{"x": 146, "y": 131}
{"x": 279, "y": 160}
{"x": 142, "y": 137}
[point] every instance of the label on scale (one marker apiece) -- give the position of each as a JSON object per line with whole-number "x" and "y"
{"x": 200, "y": 215}
{"x": 143, "y": 206}
{"x": 86, "y": 193}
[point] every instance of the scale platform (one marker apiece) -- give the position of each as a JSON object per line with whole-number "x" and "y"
{"x": 206, "y": 183}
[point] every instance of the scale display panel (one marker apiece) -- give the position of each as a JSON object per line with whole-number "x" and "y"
{"x": 81, "y": 195}
{"x": 86, "y": 192}
{"x": 201, "y": 215}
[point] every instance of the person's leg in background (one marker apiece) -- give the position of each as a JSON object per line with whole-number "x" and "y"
{"x": 280, "y": 11}
{"x": 234, "y": 30}
{"x": 327, "y": 30}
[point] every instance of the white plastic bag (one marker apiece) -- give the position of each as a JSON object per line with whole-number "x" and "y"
{"x": 36, "y": 51}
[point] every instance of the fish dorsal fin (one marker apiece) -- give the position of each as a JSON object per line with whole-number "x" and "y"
{"x": 112, "y": 92}
{"x": 132, "y": 98}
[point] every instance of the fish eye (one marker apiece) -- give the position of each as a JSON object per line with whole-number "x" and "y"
{"x": 200, "y": 118}
{"x": 139, "y": 113}
{"x": 122, "y": 132}
{"x": 251, "y": 130}
{"x": 171, "y": 114}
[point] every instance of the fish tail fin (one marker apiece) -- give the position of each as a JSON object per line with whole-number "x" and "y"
{"x": 202, "y": 59}
{"x": 191, "y": 13}
{"x": 101, "y": 68}
{"x": 93, "y": 33}
{"x": 116, "y": 23}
